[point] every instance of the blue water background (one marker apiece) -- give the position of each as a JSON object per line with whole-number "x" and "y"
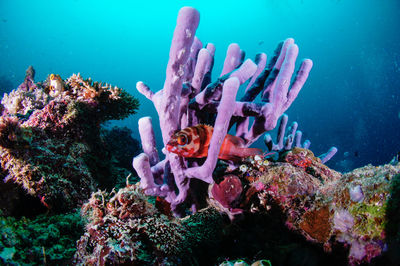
{"x": 351, "y": 99}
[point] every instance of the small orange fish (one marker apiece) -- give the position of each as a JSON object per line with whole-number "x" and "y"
{"x": 193, "y": 142}
{"x": 56, "y": 85}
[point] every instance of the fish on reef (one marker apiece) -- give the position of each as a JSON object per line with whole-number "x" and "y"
{"x": 193, "y": 142}
{"x": 56, "y": 85}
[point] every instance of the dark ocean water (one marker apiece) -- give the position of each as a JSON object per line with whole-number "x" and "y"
{"x": 351, "y": 99}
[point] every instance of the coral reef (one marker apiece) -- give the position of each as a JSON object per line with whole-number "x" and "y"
{"x": 189, "y": 98}
{"x": 50, "y": 142}
{"x": 336, "y": 213}
{"x": 45, "y": 240}
{"x": 288, "y": 210}
{"x": 283, "y": 207}
{"x": 124, "y": 228}
{"x": 321, "y": 204}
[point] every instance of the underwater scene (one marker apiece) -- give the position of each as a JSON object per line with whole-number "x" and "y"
{"x": 261, "y": 132}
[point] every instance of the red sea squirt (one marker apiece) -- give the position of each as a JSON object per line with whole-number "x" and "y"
{"x": 227, "y": 191}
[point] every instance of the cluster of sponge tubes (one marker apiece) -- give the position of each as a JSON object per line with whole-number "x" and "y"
{"x": 189, "y": 97}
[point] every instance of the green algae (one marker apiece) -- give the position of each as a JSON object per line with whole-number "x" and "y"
{"x": 42, "y": 240}
{"x": 369, "y": 219}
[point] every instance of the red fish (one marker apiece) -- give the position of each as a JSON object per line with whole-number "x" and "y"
{"x": 193, "y": 142}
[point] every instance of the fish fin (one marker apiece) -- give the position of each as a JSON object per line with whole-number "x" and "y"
{"x": 229, "y": 157}
{"x": 233, "y": 149}
{"x": 238, "y": 153}
{"x": 236, "y": 141}
{"x": 246, "y": 152}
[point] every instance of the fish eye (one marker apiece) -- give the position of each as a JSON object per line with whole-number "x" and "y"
{"x": 182, "y": 140}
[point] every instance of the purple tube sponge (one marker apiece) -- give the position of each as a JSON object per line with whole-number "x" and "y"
{"x": 168, "y": 108}
{"x": 189, "y": 98}
{"x": 328, "y": 155}
{"x": 292, "y": 139}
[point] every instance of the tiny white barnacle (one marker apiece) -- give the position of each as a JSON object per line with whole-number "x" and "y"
{"x": 146, "y": 145}
{"x": 174, "y": 78}
{"x": 257, "y": 158}
{"x": 181, "y": 71}
{"x": 188, "y": 33}
{"x": 181, "y": 53}
{"x": 243, "y": 168}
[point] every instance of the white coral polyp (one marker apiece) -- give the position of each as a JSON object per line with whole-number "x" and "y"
{"x": 21, "y": 102}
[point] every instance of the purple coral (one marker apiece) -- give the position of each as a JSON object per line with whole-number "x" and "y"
{"x": 188, "y": 98}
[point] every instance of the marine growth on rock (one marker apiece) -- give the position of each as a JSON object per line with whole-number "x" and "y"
{"x": 50, "y": 142}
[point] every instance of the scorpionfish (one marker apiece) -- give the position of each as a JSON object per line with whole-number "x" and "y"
{"x": 193, "y": 142}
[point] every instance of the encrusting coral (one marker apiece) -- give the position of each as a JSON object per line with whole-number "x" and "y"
{"x": 50, "y": 141}
{"x": 321, "y": 204}
{"x": 337, "y": 213}
{"x": 125, "y": 228}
